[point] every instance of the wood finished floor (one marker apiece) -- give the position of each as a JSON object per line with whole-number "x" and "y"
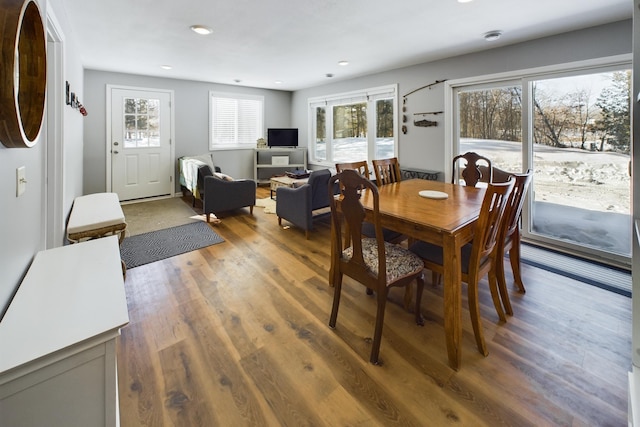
{"x": 236, "y": 334}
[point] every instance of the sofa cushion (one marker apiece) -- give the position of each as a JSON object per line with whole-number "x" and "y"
{"x": 222, "y": 176}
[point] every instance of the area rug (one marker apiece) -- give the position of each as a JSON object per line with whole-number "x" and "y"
{"x": 157, "y": 245}
{"x": 268, "y": 204}
{"x": 147, "y": 216}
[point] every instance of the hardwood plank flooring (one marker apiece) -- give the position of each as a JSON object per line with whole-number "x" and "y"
{"x": 237, "y": 334}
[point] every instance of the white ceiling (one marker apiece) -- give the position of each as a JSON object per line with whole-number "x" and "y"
{"x": 299, "y": 42}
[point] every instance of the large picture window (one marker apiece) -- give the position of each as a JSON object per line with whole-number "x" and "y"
{"x": 353, "y": 126}
{"x": 236, "y": 121}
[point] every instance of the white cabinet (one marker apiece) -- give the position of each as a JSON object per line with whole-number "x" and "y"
{"x": 57, "y": 339}
{"x": 268, "y": 162}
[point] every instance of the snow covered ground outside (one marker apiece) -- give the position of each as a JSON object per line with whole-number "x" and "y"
{"x": 580, "y": 196}
{"x": 567, "y": 176}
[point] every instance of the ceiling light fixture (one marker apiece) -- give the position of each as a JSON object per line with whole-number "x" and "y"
{"x": 278, "y": 82}
{"x": 465, "y": 1}
{"x": 237, "y": 80}
{"x": 201, "y": 29}
{"x": 166, "y": 67}
{"x": 343, "y": 63}
{"x": 492, "y": 35}
{"x": 329, "y": 75}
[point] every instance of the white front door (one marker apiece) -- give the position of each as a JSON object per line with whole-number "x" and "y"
{"x": 140, "y": 143}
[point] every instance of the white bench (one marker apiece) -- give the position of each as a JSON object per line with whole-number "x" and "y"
{"x": 96, "y": 215}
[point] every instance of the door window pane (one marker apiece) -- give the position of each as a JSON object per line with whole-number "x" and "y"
{"x": 581, "y": 157}
{"x": 141, "y": 119}
{"x": 490, "y": 123}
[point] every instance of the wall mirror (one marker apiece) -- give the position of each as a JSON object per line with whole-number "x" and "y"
{"x": 23, "y": 68}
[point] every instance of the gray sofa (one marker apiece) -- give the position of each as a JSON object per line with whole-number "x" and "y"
{"x": 220, "y": 195}
{"x": 296, "y": 205}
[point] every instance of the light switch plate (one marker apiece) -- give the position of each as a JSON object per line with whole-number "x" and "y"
{"x": 21, "y": 180}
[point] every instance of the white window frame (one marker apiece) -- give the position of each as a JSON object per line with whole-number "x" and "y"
{"x": 370, "y": 95}
{"x": 526, "y": 77}
{"x": 234, "y": 145}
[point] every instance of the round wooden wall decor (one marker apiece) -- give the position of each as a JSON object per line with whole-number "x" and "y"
{"x": 23, "y": 72}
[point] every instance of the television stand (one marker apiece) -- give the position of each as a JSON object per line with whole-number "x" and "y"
{"x": 276, "y": 161}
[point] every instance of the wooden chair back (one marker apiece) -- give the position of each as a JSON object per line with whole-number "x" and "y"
{"x": 516, "y": 202}
{"x": 387, "y": 171}
{"x": 362, "y": 167}
{"x": 353, "y": 214}
{"x": 488, "y": 226}
{"x": 470, "y": 171}
{"x": 509, "y": 239}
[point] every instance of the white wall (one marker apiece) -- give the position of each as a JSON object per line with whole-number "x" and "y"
{"x": 22, "y": 219}
{"x": 424, "y": 148}
{"x": 191, "y": 121}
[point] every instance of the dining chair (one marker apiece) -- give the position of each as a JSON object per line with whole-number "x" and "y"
{"x": 478, "y": 258}
{"x": 509, "y": 239}
{"x": 471, "y": 171}
{"x": 376, "y": 264}
{"x": 387, "y": 171}
{"x": 362, "y": 167}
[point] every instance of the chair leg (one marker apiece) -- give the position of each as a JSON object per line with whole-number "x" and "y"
{"x": 408, "y": 296}
{"x": 377, "y": 335}
{"x": 208, "y": 216}
{"x": 496, "y": 296}
{"x": 279, "y": 221}
{"x": 337, "y": 288}
{"x": 419, "y": 290}
{"x": 251, "y": 209}
{"x": 514, "y": 257}
{"x": 502, "y": 285}
{"x": 476, "y": 322}
{"x": 435, "y": 278}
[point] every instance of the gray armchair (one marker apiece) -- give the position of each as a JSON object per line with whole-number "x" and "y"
{"x": 296, "y": 205}
{"x": 220, "y": 195}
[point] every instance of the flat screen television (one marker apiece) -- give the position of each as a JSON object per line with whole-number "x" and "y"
{"x": 282, "y": 137}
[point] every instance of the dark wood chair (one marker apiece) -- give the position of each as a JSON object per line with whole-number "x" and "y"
{"x": 387, "y": 171}
{"x": 509, "y": 240}
{"x": 377, "y": 264}
{"x": 479, "y": 258}
{"x": 470, "y": 171}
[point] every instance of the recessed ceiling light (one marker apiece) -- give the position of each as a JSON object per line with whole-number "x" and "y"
{"x": 329, "y": 75}
{"x": 343, "y": 63}
{"x": 201, "y": 29}
{"x": 166, "y": 67}
{"x": 237, "y": 80}
{"x": 465, "y": 1}
{"x": 492, "y": 35}
{"x": 278, "y": 82}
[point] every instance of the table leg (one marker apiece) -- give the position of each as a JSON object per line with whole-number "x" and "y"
{"x": 452, "y": 300}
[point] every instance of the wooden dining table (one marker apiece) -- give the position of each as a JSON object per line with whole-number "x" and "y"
{"x": 446, "y": 222}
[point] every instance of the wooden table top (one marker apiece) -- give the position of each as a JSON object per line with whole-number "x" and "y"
{"x": 402, "y": 202}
